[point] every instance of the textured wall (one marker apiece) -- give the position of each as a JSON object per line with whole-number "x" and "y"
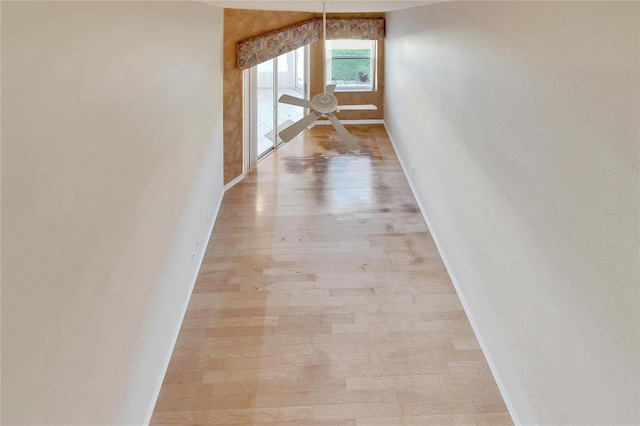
{"x": 111, "y": 158}
{"x": 240, "y": 24}
{"x": 518, "y": 124}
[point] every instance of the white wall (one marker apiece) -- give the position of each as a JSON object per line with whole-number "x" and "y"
{"x": 111, "y": 159}
{"x": 520, "y": 121}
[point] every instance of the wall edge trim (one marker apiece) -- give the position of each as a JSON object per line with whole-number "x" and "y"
{"x": 476, "y": 330}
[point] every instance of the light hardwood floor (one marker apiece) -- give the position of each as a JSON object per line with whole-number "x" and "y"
{"x": 322, "y": 300}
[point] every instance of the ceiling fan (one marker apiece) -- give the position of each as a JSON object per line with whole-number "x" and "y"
{"x": 321, "y": 105}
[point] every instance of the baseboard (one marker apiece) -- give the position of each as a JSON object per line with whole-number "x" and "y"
{"x": 327, "y": 122}
{"x": 465, "y": 304}
{"x": 233, "y": 182}
{"x": 184, "y": 308}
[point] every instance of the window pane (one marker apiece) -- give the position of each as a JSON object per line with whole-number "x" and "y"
{"x": 357, "y": 71}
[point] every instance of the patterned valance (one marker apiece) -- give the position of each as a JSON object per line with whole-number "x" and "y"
{"x": 355, "y": 29}
{"x": 258, "y": 49}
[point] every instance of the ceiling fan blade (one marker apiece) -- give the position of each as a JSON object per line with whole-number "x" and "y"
{"x": 367, "y": 107}
{"x": 292, "y": 100}
{"x": 347, "y": 137}
{"x": 297, "y": 127}
{"x": 331, "y": 88}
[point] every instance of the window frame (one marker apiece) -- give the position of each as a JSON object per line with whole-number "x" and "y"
{"x": 371, "y": 87}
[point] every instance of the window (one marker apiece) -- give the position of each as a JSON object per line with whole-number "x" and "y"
{"x": 351, "y": 64}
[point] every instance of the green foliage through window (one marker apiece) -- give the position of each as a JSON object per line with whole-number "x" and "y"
{"x": 351, "y": 65}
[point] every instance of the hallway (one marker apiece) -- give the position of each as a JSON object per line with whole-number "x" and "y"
{"x": 322, "y": 300}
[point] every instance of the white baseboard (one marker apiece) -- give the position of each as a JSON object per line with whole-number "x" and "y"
{"x": 233, "y": 182}
{"x": 465, "y": 304}
{"x": 184, "y": 309}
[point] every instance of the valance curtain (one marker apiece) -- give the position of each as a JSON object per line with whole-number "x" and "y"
{"x": 261, "y": 48}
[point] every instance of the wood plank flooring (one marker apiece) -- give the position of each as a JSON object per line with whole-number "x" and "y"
{"x": 322, "y": 300}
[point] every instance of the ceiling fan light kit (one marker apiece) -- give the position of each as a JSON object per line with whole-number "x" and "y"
{"x": 321, "y": 105}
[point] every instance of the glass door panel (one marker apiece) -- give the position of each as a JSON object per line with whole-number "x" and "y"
{"x": 300, "y": 68}
{"x": 287, "y": 84}
{"x": 265, "y": 110}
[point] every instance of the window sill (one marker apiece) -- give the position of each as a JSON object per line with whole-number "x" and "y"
{"x": 354, "y": 89}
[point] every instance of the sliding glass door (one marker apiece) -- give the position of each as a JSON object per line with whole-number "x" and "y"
{"x": 264, "y": 116}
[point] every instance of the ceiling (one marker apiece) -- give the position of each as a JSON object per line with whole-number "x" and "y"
{"x": 335, "y": 6}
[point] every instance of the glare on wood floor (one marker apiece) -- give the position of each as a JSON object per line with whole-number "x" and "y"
{"x": 322, "y": 300}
